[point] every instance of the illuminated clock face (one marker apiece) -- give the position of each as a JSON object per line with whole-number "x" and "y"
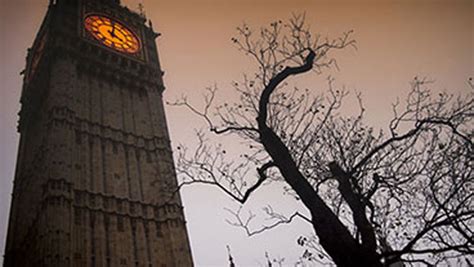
{"x": 112, "y": 34}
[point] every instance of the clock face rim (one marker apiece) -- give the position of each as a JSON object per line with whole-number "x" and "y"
{"x": 119, "y": 29}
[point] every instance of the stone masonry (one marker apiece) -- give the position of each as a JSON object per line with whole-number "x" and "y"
{"x": 95, "y": 183}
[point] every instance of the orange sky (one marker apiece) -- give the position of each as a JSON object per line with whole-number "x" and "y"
{"x": 396, "y": 41}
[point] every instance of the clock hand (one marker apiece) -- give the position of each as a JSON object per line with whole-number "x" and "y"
{"x": 112, "y": 33}
{"x": 120, "y": 38}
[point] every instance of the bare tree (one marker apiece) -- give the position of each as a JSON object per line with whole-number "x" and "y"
{"x": 373, "y": 198}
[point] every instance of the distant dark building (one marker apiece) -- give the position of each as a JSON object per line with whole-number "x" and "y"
{"x": 95, "y": 178}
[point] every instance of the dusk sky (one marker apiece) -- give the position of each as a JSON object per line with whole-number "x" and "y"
{"x": 396, "y": 41}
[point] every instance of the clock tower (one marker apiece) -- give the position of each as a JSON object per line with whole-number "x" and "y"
{"x": 95, "y": 183}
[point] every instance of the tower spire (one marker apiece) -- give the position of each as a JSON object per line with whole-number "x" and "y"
{"x": 141, "y": 9}
{"x": 231, "y": 259}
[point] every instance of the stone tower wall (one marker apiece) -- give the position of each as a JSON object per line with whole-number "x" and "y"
{"x": 95, "y": 167}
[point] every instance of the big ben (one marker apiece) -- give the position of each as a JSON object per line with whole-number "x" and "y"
{"x": 95, "y": 183}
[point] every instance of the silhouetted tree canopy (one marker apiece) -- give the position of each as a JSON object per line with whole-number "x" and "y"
{"x": 373, "y": 197}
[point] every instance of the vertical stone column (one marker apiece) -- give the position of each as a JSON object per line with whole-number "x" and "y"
{"x": 59, "y": 178}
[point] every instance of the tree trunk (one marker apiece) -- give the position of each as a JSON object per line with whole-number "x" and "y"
{"x": 336, "y": 240}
